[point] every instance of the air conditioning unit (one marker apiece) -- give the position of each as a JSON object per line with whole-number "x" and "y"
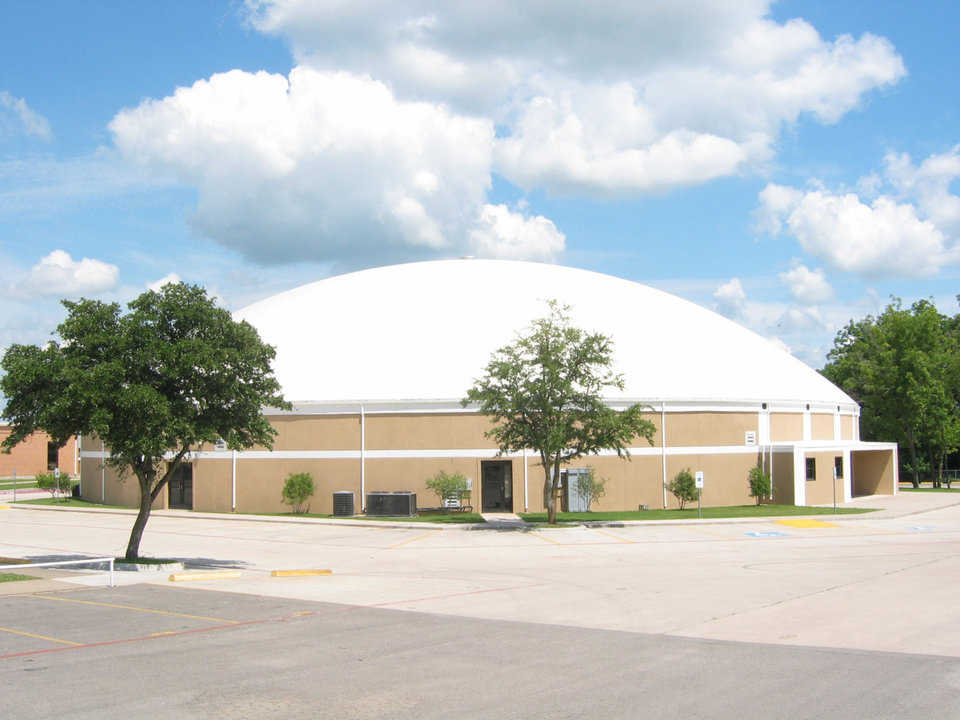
{"x": 343, "y": 505}
{"x": 397, "y": 504}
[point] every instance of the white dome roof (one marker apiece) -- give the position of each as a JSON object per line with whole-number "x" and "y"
{"x": 424, "y": 331}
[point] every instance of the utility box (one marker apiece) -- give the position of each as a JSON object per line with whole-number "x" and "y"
{"x": 395, "y": 504}
{"x": 343, "y": 504}
{"x": 576, "y": 499}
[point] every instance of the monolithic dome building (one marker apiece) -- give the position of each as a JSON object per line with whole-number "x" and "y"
{"x": 376, "y": 363}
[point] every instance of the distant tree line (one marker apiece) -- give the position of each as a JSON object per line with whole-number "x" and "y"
{"x": 903, "y": 367}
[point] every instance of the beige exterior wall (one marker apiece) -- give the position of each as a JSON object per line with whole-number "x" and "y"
{"x": 123, "y": 491}
{"x": 709, "y": 428}
{"x": 629, "y": 483}
{"x": 786, "y": 427}
{"x": 724, "y": 476}
{"x": 820, "y": 491}
{"x": 821, "y": 426}
{"x": 317, "y": 432}
{"x": 459, "y": 431}
{"x": 782, "y": 480}
{"x": 260, "y": 483}
{"x": 872, "y": 472}
{"x": 29, "y": 457}
{"x": 846, "y": 427}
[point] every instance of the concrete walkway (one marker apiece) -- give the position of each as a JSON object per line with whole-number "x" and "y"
{"x": 503, "y": 521}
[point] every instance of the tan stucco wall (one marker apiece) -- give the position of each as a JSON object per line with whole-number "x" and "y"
{"x": 846, "y": 427}
{"x": 317, "y": 432}
{"x": 260, "y": 482}
{"x": 820, "y": 491}
{"x": 821, "y": 426}
{"x": 783, "y": 492}
{"x": 29, "y": 457}
{"x": 872, "y": 472}
{"x": 426, "y": 432}
{"x": 708, "y": 428}
{"x": 212, "y": 485}
{"x": 124, "y": 491}
{"x": 724, "y": 476}
{"x": 786, "y": 427}
{"x": 629, "y": 483}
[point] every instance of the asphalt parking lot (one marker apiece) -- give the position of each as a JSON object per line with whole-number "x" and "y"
{"x": 851, "y": 617}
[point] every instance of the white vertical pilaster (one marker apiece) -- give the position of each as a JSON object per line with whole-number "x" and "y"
{"x": 799, "y": 477}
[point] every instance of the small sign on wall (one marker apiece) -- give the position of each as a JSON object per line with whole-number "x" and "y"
{"x": 699, "y": 479}
{"x": 750, "y": 437}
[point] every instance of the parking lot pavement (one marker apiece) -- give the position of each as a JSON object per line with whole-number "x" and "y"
{"x": 848, "y": 583}
{"x": 169, "y": 652}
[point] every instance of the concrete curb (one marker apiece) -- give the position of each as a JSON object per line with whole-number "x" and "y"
{"x": 216, "y": 575}
{"x": 299, "y": 573}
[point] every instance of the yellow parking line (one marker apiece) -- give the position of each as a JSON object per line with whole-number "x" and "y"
{"x": 215, "y": 575}
{"x": 299, "y": 573}
{"x": 545, "y": 538}
{"x": 615, "y": 537}
{"x": 419, "y": 537}
{"x": 132, "y": 607}
{"x": 39, "y": 637}
{"x": 805, "y": 523}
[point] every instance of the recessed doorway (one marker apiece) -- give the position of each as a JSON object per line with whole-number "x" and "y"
{"x": 497, "y": 485}
{"x": 181, "y": 488}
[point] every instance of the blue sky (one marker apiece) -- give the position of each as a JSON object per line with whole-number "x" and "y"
{"x": 791, "y": 165}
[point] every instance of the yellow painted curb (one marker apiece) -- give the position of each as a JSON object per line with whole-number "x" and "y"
{"x": 4, "y": 507}
{"x": 299, "y": 573}
{"x": 806, "y": 523}
{"x": 219, "y": 575}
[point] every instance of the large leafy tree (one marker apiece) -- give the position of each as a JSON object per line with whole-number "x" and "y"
{"x": 153, "y": 384}
{"x": 545, "y": 392}
{"x": 902, "y": 367}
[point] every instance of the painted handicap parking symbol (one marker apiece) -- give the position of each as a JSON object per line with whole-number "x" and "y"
{"x": 766, "y": 533}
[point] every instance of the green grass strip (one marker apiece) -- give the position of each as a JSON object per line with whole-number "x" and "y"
{"x": 712, "y": 513}
{"x": 14, "y": 577}
{"x": 930, "y": 489}
{"x": 68, "y": 502}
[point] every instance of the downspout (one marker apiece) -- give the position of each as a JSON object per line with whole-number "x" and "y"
{"x": 663, "y": 449}
{"x": 526, "y": 506}
{"x": 233, "y": 484}
{"x": 103, "y": 473}
{"x": 77, "y": 465}
{"x": 363, "y": 460}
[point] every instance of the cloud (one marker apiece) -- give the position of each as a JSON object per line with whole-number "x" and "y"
{"x": 730, "y": 299}
{"x": 17, "y": 117}
{"x": 501, "y": 233}
{"x": 327, "y": 166}
{"x": 883, "y": 238}
{"x": 808, "y": 287}
{"x": 614, "y": 98}
{"x": 169, "y": 279}
{"x": 929, "y": 184}
{"x": 59, "y": 275}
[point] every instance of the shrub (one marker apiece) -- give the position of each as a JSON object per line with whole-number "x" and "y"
{"x": 591, "y": 488}
{"x": 759, "y": 483}
{"x": 448, "y": 486}
{"x": 683, "y": 487}
{"x": 54, "y": 485}
{"x": 297, "y": 490}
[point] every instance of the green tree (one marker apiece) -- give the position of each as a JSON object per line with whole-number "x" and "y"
{"x": 683, "y": 487}
{"x": 297, "y": 489}
{"x": 153, "y": 384}
{"x": 902, "y": 367}
{"x": 448, "y": 486}
{"x": 759, "y": 483}
{"x": 56, "y": 485}
{"x": 591, "y": 488}
{"x": 544, "y": 391}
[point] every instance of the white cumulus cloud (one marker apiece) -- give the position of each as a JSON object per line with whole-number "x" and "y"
{"x": 730, "y": 299}
{"x": 882, "y": 238}
{"x": 168, "y": 279}
{"x": 501, "y": 233}
{"x": 610, "y": 96}
{"x": 808, "y": 287}
{"x": 18, "y": 117}
{"x": 327, "y": 166}
{"x": 60, "y": 275}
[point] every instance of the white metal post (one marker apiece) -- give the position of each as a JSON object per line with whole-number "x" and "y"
{"x": 363, "y": 460}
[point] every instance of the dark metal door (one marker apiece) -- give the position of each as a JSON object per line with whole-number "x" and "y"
{"x": 181, "y": 488}
{"x": 497, "y": 485}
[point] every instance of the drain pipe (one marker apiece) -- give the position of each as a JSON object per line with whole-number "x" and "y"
{"x": 103, "y": 473}
{"x": 526, "y": 504}
{"x": 363, "y": 460}
{"x": 233, "y": 484}
{"x": 663, "y": 449}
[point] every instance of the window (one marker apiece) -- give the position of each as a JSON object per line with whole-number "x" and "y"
{"x": 811, "y": 469}
{"x": 838, "y": 466}
{"x": 53, "y": 453}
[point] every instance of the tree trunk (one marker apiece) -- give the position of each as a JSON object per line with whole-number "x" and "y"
{"x": 146, "y": 503}
{"x": 553, "y": 477}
